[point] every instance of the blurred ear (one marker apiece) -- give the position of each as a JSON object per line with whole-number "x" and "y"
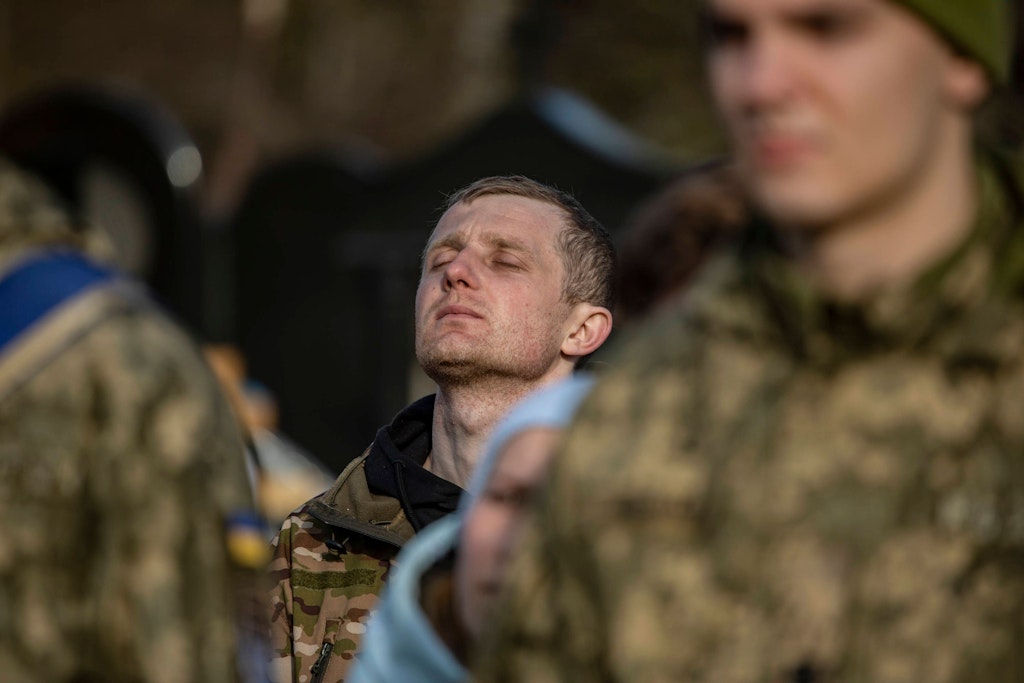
{"x": 967, "y": 84}
{"x": 589, "y": 327}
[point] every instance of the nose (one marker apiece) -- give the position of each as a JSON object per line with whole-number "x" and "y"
{"x": 460, "y": 272}
{"x": 764, "y": 73}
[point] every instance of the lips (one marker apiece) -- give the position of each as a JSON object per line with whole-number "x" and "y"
{"x": 780, "y": 150}
{"x": 456, "y": 311}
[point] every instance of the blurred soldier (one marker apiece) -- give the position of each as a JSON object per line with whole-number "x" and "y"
{"x": 515, "y": 290}
{"x": 121, "y": 473}
{"x": 812, "y": 470}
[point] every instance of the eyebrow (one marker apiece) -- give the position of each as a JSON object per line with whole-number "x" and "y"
{"x": 719, "y": 16}
{"x": 507, "y": 243}
{"x": 456, "y": 241}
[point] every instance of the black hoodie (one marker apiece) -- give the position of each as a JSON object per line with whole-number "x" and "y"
{"x": 394, "y": 466}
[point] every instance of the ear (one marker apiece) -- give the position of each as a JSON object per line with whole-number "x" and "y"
{"x": 589, "y": 327}
{"x": 967, "y": 84}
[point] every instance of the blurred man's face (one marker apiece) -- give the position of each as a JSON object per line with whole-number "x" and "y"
{"x": 835, "y": 107}
{"x": 494, "y": 524}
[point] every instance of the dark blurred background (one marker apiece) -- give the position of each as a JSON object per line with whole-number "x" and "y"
{"x": 273, "y": 167}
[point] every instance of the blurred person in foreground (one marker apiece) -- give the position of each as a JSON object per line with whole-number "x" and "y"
{"x": 447, "y": 579}
{"x": 125, "y": 547}
{"x": 812, "y": 470}
{"x": 515, "y": 290}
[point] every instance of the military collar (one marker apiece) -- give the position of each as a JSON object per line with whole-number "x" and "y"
{"x": 973, "y": 284}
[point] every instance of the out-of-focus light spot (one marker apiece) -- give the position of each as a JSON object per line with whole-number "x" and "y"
{"x": 184, "y": 166}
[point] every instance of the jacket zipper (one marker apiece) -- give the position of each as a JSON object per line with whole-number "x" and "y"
{"x": 320, "y": 668}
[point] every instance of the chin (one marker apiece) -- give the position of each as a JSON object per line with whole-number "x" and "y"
{"x": 795, "y": 198}
{"x": 447, "y": 369}
{"x": 802, "y": 208}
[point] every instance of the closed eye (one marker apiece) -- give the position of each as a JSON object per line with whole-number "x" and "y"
{"x": 508, "y": 263}
{"x": 509, "y": 498}
{"x": 441, "y": 259}
{"x": 510, "y": 494}
{"x": 504, "y": 258}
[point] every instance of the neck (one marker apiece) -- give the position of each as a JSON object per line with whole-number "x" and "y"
{"x": 899, "y": 238}
{"x": 464, "y": 417}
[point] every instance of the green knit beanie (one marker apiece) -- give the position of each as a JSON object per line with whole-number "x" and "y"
{"x": 980, "y": 29}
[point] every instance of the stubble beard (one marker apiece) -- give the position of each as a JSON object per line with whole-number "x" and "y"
{"x": 451, "y": 372}
{"x": 460, "y": 368}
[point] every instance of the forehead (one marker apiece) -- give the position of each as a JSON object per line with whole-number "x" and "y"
{"x": 512, "y": 219}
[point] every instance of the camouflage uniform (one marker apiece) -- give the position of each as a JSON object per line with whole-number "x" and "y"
{"x": 333, "y": 554}
{"x": 119, "y": 464}
{"x": 776, "y": 487}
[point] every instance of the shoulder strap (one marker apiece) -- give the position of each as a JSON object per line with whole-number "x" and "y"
{"x": 40, "y": 284}
{"x": 47, "y": 301}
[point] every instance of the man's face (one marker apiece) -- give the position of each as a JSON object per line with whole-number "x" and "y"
{"x": 489, "y": 299}
{"x": 494, "y": 524}
{"x": 835, "y": 107}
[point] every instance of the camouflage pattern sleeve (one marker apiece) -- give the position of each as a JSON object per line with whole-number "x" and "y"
{"x": 281, "y": 604}
{"x": 324, "y": 590}
{"x": 120, "y": 463}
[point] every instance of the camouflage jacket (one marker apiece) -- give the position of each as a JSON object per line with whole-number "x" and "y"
{"x": 120, "y": 464}
{"x": 770, "y": 486}
{"x": 332, "y": 556}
